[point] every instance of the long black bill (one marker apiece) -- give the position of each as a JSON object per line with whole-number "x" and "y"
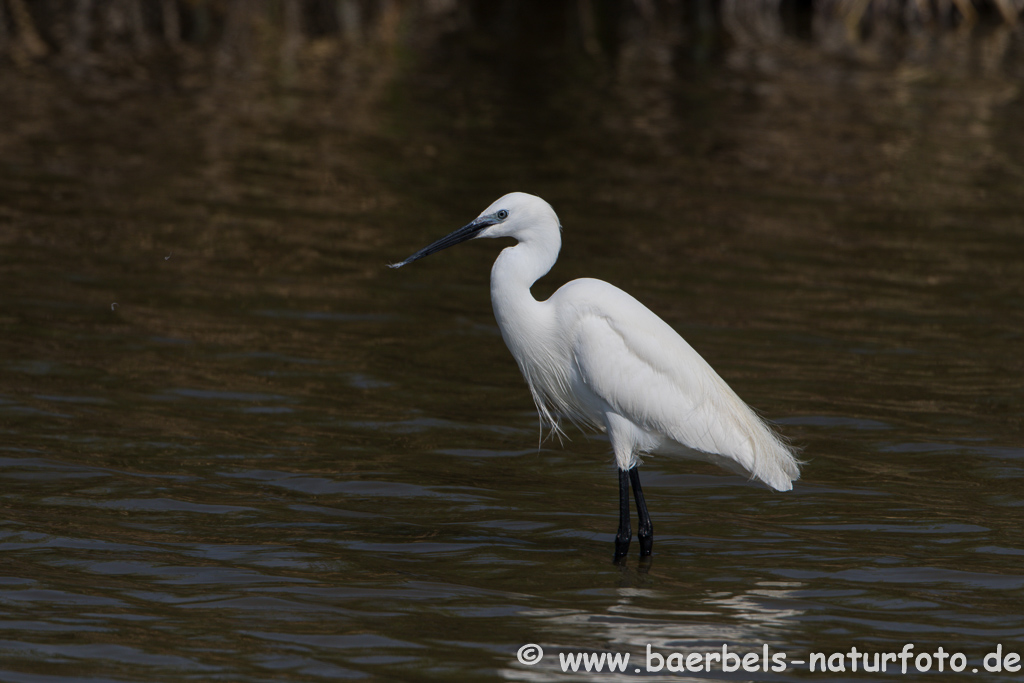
{"x": 466, "y": 232}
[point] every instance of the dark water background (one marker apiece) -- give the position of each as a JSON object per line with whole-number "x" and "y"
{"x": 234, "y": 446}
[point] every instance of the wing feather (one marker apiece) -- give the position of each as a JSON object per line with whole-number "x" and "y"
{"x": 640, "y": 367}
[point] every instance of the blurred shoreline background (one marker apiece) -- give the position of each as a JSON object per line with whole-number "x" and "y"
{"x": 122, "y": 35}
{"x": 602, "y": 65}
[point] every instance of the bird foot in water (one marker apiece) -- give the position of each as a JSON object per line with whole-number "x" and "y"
{"x": 646, "y": 537}
{"x": 646, "y": 544}
{"x": 621, "y": 546}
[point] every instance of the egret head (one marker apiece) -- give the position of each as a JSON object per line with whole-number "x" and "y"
{"x": 516, "y": 215}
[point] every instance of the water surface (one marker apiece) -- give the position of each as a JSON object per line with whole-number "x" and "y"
{"x": 235, "y": 446}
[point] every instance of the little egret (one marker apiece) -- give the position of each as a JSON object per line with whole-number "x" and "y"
{"x": 597, "y": 356}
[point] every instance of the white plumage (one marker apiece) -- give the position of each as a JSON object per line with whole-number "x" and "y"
{"x": 597, "y": 356}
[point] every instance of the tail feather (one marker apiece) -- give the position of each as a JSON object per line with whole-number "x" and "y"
{"x": 738, "y": 435}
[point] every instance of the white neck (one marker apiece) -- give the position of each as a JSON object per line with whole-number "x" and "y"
{"x": 513, "y": 273}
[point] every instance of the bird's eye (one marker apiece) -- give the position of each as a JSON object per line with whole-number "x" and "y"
{"x": 502, "y": 215}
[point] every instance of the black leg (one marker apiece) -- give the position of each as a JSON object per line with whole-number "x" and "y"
{"x": 625, "y": 533}
{"x": 645, "y": 530}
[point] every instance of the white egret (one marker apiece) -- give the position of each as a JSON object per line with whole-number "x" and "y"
{"x": 597, "y": 356}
